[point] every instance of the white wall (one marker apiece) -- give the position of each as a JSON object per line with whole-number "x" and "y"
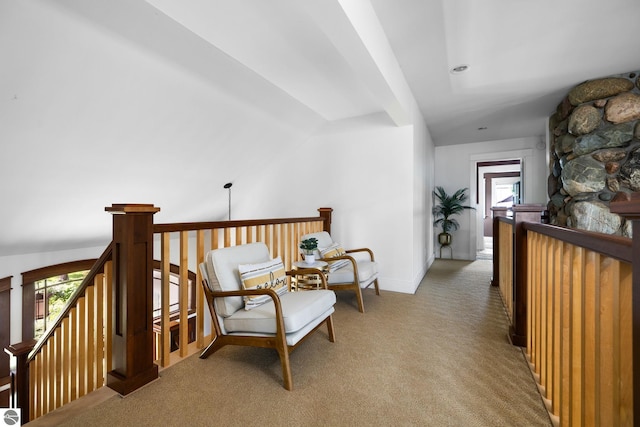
{"x": 364, "y": 169}
{"x": 455, "y": 167}
{"x": 423, "y": 159}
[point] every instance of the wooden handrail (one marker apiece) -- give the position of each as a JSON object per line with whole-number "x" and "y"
{"x": 97, "y": 268}
{"x": 193, "y": 226}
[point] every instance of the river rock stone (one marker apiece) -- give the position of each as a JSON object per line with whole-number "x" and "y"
{"x": 583, "y": 120}
{"x": 600, "y": 103}
{"x": 556, "y": 169}
{"x": 557, "y": 200}
{"x": 553, "y": 185}
{"x": 623, "y": 108}
{"x": 605, "y": 197}
{"x": 613, "y": 184}
{"x": 594, "y": 216}
{"x": 583, "y": 175}
{"x": 561, "y": 128}
{"x": 564, "y": 109}
{"x": 630, "y": 171}
{"x": 597, "y": 89}
{"x": 606, "y": 137}
{"x": 612, "y": 167}
{"x": 610, "y": 155}
{"x": 627, "y": 229}
{"x": 564, "y": 144}
{"x": 560, "y": 219}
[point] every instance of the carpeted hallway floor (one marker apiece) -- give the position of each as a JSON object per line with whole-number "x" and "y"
{"x": 437, "y": 358}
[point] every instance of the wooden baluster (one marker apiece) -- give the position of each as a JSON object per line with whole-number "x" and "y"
{"x": 165, "y": 278}
{"x": 183, "y": 307}
{"x": 200, "y": 300}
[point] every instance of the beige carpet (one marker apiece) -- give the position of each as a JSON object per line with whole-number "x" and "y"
{"x": 436, "y": 358}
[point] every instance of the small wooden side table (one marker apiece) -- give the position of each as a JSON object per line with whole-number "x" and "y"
{"x": 308, "y": 281}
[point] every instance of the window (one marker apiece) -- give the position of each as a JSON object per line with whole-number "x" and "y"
{"x": 45, "y": 291}
{"x": 51, "y": 295}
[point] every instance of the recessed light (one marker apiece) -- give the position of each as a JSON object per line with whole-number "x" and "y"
{"x": 459, "y": 69}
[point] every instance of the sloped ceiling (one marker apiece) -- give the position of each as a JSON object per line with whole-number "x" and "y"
{"x": 128, "y": 100}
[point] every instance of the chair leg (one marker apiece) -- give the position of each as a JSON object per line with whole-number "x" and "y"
{"x": 214, "y": 346}
{"x": 286, "y": 368}
{"x": 375, "y": 283}
{"x": 332, "y": 333}
{"x": 359, "y": 298}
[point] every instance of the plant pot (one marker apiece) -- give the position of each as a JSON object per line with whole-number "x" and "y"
{"x": 444, "y": 239}
{"x": 309, "y": 258}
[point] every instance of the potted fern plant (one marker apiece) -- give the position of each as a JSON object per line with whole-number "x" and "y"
{"x": 309, "y": 246}
{"x": 448, "y": 206}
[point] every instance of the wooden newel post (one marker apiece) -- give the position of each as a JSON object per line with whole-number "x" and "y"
{"x": 497, "y": 212}
{"x": 521, "y": 214}
{"x": 630, "y": 210}
{"x": 325, "y": 213}
{"x": 132, "y": 350}
{"x": 20, "y": 388}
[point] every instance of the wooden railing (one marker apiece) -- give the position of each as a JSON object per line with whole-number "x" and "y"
{"x": 579, "y": 325}
{"x": 68, "y": 361}
{"x": 102, "y": 338}
{"x": 579, "y": 316}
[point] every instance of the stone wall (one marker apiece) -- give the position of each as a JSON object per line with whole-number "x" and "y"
{"x": 595, "y": 153}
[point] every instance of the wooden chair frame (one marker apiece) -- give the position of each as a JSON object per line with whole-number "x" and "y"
{"x": 355, "y": 284}
{"x": 277, "y": 342}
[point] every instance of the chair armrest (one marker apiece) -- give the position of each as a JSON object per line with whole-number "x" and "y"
{"x": 350, "y": 251}
{"x": 335, "y": 258}
{"x": 353, "y": 261}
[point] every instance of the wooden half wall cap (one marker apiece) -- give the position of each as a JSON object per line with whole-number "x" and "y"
{"x": 124, "y": 208}
{"x": 626, "y": 205}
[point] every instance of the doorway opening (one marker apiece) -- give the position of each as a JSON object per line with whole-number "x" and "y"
{"x": 499, "y": 184}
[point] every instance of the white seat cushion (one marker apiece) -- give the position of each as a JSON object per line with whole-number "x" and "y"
{"x": 367, "y": 272}
{"x": 298, "y": 309}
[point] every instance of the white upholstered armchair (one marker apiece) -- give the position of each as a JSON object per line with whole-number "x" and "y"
{"x": 350, "y": 269}
{"x": 251, "y": 303}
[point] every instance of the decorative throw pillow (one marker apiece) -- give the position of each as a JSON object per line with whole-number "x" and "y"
{"x": 266, "y": 275}
{"x": 333, "y": 251}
